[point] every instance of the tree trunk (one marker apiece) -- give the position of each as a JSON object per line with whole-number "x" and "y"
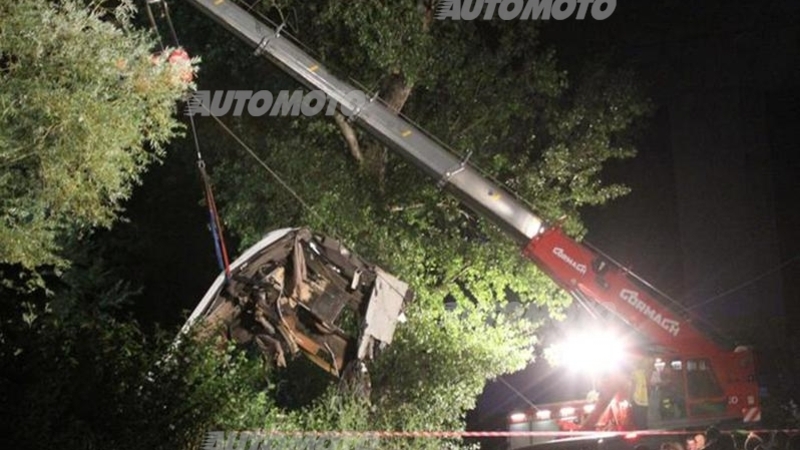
{"x": 350, "y": 137}
{"x": 370, "y": 154}
{"x": 394, "y": 94}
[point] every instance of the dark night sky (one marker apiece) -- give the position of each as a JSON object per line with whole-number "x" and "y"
{"x": 715, "y": 184}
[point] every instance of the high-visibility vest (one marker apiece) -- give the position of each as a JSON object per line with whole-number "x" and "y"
{"x": 640, "y": 387}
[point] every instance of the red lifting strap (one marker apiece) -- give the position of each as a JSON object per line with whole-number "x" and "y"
{"x": 216, "y": 224}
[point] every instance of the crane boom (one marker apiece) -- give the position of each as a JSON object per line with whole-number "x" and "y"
{"x": 406, "y": 139}
{"x": 576, "y": 267}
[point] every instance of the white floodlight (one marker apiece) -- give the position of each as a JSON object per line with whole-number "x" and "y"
{"x": 591, "y": 352}
{"x": 567, "y": 411}
{"x": 518, "y": 417}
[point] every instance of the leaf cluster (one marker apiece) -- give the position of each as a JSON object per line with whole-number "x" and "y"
{"x": 85, "y": 107}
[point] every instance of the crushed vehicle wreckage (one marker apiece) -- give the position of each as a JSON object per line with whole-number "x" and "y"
{"x": 298, "y": 292}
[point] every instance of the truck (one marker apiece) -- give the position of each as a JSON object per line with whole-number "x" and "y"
{"x": 712, "y": 382}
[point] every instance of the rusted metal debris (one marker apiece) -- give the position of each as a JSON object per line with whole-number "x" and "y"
{"x": 300, "y": 292}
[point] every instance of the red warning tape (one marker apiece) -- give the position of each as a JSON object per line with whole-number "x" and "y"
{"x": 475, "y": 434}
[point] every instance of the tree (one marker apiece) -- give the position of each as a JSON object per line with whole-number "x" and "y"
{"x": 488, "y": 87}
{"x": 77, "y": 373}
{"x": 85, "y": 107}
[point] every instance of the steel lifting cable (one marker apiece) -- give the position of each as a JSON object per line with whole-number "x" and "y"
{"x": 165, "y": 8}
{"x": 269, "y": 170}
{"x": 215, "y": 223}
{"x": 153, "y": 25}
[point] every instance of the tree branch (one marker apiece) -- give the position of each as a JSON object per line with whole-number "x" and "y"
{"x": 349, "y": 136}
{"x": 397, "y": 92}
{"x": 428, "y": 8}
{"x": 400, "y": 208}
{"x": 394, "y": 94}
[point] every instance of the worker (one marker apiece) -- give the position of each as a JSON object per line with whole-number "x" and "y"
{"x": 753, "y": 442}
{"x": 654, "y": 398}
{"x": 712, "y": 438}
{"x": 640, "y": 395}
{"x": 672, "y": 392}
{"x": 700, "y": 441}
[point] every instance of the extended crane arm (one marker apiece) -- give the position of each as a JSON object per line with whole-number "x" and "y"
{"x": 589, "y": 275}
{"x": 409, "y": 141}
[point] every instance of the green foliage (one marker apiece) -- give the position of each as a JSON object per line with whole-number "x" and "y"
{"x": 88, "y": 380}
{"x": 439, "y": 363}
{"x": 83, "y": 111}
